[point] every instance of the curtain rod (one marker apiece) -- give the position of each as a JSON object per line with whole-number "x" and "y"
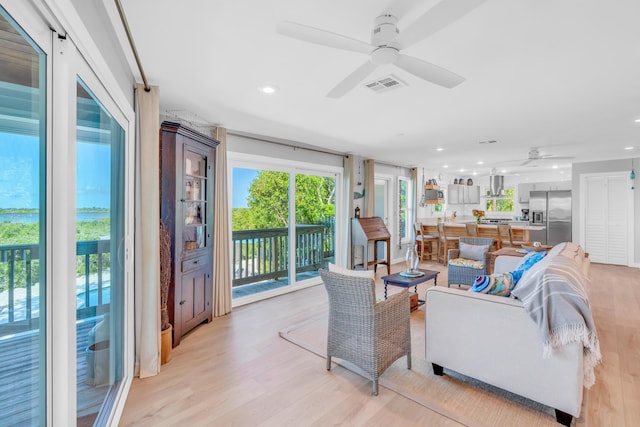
{"x": 284, "y": 144}
{"x": 123, "y": 18}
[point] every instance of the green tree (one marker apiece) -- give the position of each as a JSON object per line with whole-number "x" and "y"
{"x": 268, "y": 201}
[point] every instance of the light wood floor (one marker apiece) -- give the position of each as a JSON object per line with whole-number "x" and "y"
{"x": 237, "y": 371}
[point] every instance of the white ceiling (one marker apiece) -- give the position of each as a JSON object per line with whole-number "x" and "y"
{"x": 561, "y": 75}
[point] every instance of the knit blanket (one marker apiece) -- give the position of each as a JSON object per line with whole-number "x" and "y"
{"x": 554, "y": 295}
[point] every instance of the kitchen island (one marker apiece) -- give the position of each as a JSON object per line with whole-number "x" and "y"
{"x": 520, "y": 232}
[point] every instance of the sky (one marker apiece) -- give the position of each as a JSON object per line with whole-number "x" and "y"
{"x": 242, "y": 178}
{"x": 19, "y": 173}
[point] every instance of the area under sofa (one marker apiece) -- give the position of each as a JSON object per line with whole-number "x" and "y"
{"x": 493, "y": 339}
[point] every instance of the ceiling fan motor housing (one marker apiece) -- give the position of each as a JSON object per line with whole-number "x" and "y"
{"x": 385, "y": 30}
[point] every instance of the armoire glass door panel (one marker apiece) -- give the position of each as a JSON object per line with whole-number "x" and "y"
{"x": 196, "y": 181}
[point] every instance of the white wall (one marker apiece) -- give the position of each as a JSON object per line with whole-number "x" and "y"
{"x": 95, "y": 18}
{"x": 622, "y": 165}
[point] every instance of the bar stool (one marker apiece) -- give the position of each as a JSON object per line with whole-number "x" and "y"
{"x": 472, "y": 229}
{"x": 445, "y": 243}
{"x": 505, "y": 237}
{"x": 425, "y": 241}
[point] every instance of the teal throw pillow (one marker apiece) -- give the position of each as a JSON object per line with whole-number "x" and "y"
{"x": 529, "y": 260}
{"x": 495, "y": 284}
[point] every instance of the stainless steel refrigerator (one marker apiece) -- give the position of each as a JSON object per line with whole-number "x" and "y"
{"x": 551, "y": 209}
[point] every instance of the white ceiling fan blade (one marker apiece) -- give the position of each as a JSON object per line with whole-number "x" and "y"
{"x": 552, "y": 157}
{"x": 435, "y": 19}
{"x": 322, "y": 37}
{"x": 352, "y": 80}
{"x": 428, "y": 71}
{"x": 526, "y": 162}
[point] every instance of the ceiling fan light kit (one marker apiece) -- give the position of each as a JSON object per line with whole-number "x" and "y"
{"x": 387, "y": 42}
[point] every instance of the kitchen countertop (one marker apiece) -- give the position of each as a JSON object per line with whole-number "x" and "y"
{"x": 433, "y": 221}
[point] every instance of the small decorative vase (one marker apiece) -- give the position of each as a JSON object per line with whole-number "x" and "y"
{"x": 412, "y": 259}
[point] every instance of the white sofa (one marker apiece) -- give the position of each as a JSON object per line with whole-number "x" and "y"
{"x": 493, "y": 339}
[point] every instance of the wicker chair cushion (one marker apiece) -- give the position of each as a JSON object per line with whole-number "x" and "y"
{"x": 369, "y": 274}
{"x": 464, "y": 262}
{"x": 495, "y": 284}
{"x": 473, "y": 251}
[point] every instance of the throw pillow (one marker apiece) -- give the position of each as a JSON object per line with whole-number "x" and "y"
{"x": 529, "y": 260}
{"x": 476, "y": 252}
{"x": 369, "y": 274}
{"x": 495, "y": 284}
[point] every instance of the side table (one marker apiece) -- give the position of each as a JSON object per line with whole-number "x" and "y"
{"x": 406, "y": 282}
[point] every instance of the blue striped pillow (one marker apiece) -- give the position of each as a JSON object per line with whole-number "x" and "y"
{"x": 495, "y": 284}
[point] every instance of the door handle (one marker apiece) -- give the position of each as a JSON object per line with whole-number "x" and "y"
{"x": 183, "y": 301}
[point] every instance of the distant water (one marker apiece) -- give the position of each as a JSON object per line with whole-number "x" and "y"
{"x": 25, "y": 218}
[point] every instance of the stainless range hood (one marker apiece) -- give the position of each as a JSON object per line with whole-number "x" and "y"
{"x": 496, "y": 185}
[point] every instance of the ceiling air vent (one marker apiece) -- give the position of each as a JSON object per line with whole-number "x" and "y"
{"x": 385, "y": 84}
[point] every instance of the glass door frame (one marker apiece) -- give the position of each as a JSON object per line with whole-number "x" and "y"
{"x": 65, "y": 62}
{"x": 78, "y": 68}
{"x": 292, "y": 167}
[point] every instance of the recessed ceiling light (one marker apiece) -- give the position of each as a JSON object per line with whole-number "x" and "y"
{"x": 268, "y": 89}
{"x": 439, "y": 149}
{"x": 628, "y": 148}
{"x": 475, "y": 173}
{"x": 555, "y": 166}
{"x": 637, "y": 120}
{"x": 461, "y": 169}
{"x": 480, "y": 162}
{"x": 503, "y": 171}
{"x": 445, "y": 166}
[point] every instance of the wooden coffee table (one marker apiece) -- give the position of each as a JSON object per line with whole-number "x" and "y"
{"x": 406, "y": 282}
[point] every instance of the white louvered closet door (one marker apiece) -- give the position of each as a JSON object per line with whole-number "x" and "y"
{"x": 606, "y": 222}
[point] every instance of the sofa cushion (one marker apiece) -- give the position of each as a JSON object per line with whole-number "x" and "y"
{"x": 369, "y": 274}
{"x": 496, "y": 284}
{"x": 475, "y": 252}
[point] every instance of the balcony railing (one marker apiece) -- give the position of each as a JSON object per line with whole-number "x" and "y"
{"x": 264, "y": 254}
{"x": 258, "y": 255}
{"x": 20, "y": 291}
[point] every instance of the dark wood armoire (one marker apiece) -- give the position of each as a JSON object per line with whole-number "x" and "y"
{"x": 187, "y": 166}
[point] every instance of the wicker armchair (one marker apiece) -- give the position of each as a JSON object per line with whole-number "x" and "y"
{"x": 369, "y": 334}
{"x": 467, "y": 275}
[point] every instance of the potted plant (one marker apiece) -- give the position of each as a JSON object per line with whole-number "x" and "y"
{"x": 165, "y": 281}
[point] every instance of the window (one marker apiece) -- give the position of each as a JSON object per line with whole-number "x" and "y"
{"x": 505, "y": 204}
{"x": 404, "y": 213}
{"x": 283, "y": 226}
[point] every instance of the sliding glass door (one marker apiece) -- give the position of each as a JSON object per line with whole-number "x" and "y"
{"x": 64, "y": 194}
{"x": 284, "y": 227}
{"x": 99, "y": 285}
{"x": 23, "y": 251}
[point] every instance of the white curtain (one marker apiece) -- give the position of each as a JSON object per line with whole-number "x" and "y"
{"x": 348, "y": 165}
{"x": 370, "y": 188}
{"x": 221, "y": 231}
{"x": 147, "y": 223}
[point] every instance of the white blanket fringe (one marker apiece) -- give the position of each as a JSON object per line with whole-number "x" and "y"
{"x": 568, "y": 334}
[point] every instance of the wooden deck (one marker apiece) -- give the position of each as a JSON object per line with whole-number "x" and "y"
{"x": 20, "y": 370}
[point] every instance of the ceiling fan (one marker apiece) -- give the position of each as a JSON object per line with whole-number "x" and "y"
{"x": 387, "y": 42}
{"x": 534, "y": 155}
